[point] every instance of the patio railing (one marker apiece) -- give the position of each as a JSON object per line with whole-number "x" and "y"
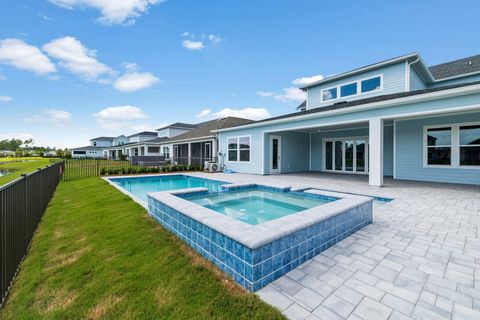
{"x": 22, "y": 205}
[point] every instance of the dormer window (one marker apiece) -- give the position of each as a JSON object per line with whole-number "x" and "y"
{"x": 357, "y": 88}
{"x": 329, "y": 94}
{"x": 372, "y": 84}
{"x": 348, "y": 89}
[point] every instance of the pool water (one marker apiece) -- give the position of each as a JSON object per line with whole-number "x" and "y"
{"x": 257, "y": 206}
{"x": 140, "y": 186}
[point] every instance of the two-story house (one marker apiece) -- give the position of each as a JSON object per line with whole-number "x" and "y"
{"x": 397, "y": 118}
{"x": 95, "y": 149}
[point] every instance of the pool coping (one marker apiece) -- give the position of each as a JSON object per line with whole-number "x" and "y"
{"x": 255, "y": 236}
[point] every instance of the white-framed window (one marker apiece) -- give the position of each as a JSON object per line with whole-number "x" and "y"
{"x": 469, "y": 141}
{"x": 238, "y": 149}
{"x": 452, "y": 146}
{"x": 351, "y": 89}
{"x": 166, "y": 152}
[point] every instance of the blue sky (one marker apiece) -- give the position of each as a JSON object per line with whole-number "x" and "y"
{"x": 74, "y": 69}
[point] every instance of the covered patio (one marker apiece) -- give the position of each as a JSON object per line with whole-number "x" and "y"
{"x": 194, "y": 153}
{"x": 361, "y": 149}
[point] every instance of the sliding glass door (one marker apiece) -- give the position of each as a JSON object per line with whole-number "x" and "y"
{"x": 347, "y": 155}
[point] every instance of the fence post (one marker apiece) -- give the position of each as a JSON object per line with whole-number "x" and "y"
{"x": 26, "y": 209}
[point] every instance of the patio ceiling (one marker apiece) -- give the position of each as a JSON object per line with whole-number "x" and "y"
{"x": 363, "y": 125}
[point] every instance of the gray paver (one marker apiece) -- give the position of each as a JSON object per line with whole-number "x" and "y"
{"x": 421, "y": 250}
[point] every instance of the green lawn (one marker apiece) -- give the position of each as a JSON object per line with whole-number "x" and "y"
{"x": 97, "y": 254}
{"x": 19, "y": 168}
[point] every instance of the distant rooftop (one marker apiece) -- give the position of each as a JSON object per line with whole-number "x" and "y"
{"x": 144, "y": 133}
{"x": 103, "y": 138}
{"x": 179, "y": 125}
{"x": 205, "y": 129}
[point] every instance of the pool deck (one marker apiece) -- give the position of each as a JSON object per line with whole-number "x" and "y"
{"x": 419, "y": 259}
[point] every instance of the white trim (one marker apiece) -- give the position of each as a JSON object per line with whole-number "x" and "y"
{"x": 394, "y": 149}
{"x": 375, "y": 150}
{"x": 338, "y": 88}
{"x": 310, "y": 153}
{"x": 388, "y": 103}
{"x": 279, "y": 155}
{"x": 249, "y": 136}
{"x": 407, "y": 76}
{"x": 454, "y": 146}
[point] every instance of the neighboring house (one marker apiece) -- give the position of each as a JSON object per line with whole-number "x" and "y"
{"x": 117, "y": 148}
{"x": 200, "y": 144}
{"x": 396, "y": 118}
{"x": 94, "y": 150}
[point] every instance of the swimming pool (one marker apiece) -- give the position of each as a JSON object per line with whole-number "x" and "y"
{"x": 252, "y": 251}
{"x": 257, "y": 206}
{"x": 140, "y": 186}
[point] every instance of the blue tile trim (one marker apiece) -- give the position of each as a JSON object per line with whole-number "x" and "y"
{"x": 255, "y": 268}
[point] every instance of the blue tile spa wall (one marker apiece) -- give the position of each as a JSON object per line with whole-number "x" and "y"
{"x": 255, "y": 268}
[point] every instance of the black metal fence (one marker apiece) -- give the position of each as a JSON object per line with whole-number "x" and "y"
{"x": 22, "y": 204}
{"x": 85, "y": 168}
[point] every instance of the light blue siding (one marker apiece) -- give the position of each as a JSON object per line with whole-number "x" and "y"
{"x": 416, "y": 83}
{"x": 393, "y": 82}
{"x": 409, "y": 152}
{"x": 295, "y": 151}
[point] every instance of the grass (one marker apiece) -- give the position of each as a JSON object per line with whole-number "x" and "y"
{"x": 18, "y": 168}
{"x": 97, "y": 254}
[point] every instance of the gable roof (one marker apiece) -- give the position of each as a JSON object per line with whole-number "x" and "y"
{"x": 179, "y": 125}
{"x": 456, "y": 68}
{"x": 103, "y": 138}
{"x": 205, "y": 129}
{"x": 143, "y": 133}
{"x": 87, "y": 148}
{"x": 302, "y": 106}
{"x": 386, "y": 97}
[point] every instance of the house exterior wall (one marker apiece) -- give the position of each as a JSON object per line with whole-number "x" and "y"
{"x": 294, "y": 151}
{"x": 87, "y": 154}
{"x": 393, "y": 82}
{"x": 101, "y": 143}
{"x": 409, "y": 152}
{"x": 257, "y": 164}
{"x": 120, "y": 140}
{"x": 416, "y": 83}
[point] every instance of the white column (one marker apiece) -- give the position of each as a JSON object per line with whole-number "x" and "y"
{"x": 214, "y": 148}
{"x": 375, "y": 154}
{"x": 189, "y": 153}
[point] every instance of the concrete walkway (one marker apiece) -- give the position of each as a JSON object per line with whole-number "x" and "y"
{"x": 419, "y": 259}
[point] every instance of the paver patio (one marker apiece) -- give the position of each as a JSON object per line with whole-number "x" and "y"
{"x": 420, "y": 258}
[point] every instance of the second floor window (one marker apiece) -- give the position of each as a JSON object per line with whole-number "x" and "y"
{"x": 359, "y": 87}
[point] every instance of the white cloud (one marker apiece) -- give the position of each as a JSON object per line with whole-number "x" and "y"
{"x": 199, "y": 42}
{"x": 76, "y": 58}
{"x": 113, "y": 11}
{"x": 117, "y": 117}
{"x": 193, "y": 45}
{"x": 133, "y": 81}
{"x": 16, "y": 135}
{"x": 5, "y": 98}
{"x": 214, "y": 38}
{"x": 291, "y": 94}
{"x": 52, "y": 116}
{"x": 23, "y": 56}
{"x": 265, "y": 93}
{"x": 203, "y": 113}
{"x": 44, "y": 16}
{"x": 248, "y": 113}
{"x": 307, "y": 80}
